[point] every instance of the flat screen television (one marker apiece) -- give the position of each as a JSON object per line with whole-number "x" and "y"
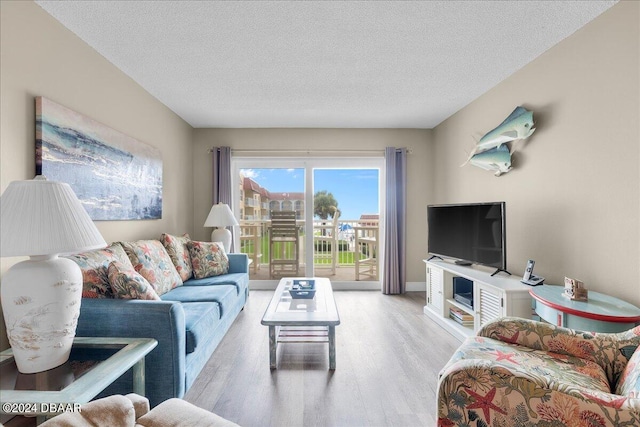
{"x": 471, "y": 233}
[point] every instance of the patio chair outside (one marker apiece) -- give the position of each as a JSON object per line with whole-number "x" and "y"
{"x": 284, "y": 250}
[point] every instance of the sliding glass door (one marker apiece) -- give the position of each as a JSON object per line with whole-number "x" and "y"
{"x": 336, "y": 206}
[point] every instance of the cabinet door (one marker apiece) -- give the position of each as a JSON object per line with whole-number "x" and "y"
{"x": 435, "y": 278}
{"x": 489, "y": 304}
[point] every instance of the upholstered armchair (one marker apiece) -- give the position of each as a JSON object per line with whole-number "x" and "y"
{"x": 527, "y": 373}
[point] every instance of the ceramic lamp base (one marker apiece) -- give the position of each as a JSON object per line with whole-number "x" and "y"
{"x": 41, "y": 305}
{"x": 222, "y": 235}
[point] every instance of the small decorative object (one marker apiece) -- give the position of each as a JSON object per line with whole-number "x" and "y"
{"x": 221, "y": 216}
{"x": 491, "y": 152}
{"x": 41, "y": 296}
{"x": 575, "y": 290}
{"x": 303, "y": 289}
{"x": 115, "y": 176}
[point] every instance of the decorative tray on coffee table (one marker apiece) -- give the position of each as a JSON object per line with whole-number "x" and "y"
{"x": 303, "y": 289}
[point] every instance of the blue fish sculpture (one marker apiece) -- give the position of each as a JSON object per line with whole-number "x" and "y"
{"x": 496, "y": 159}
{"x": 519, "y": 125}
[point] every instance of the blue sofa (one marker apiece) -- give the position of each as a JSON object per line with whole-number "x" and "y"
{"x": 189, "y": 322}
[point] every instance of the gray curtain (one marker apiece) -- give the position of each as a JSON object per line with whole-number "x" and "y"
{"x": 222, "y": 175}
{"x": 394, "y": 279}
{"x": 222, "y": 181}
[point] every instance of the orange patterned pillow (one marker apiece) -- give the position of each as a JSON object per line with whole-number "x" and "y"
{"x": 179, "y": 253}
{"x": 208, "y": 259}
{"x": 151, "y": 260}
{"x": 126, "y": 283}
{"x": 94, "y": 264}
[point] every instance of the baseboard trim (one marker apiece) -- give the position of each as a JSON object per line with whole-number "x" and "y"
{"x": 416, "y": 286}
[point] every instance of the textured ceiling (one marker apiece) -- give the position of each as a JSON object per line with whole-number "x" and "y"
{"x": 379, "y": 64}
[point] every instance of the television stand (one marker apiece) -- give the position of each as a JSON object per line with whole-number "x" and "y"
{"x": 435, "y": 256}
{"x": 493, "y": 297}
{"x": 498, "y": 270}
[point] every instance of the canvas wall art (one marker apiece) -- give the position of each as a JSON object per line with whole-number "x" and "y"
{"x": 115, "y": 176}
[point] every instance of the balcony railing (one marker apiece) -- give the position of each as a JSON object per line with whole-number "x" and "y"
{"x": 356, "y": 255}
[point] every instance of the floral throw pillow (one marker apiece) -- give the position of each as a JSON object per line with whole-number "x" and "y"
{"x": 629, "y": 382}
{"x": 179, "y": 253}
{"x": 151, "y": 260}
{"x": 208, "y": 259}
{"x": 126, "y": 283}
{"x": 94, "y": 264}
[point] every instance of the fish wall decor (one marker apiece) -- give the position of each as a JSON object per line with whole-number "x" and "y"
{"x": 497, "y": 159}
{"x": 491, "y": 151}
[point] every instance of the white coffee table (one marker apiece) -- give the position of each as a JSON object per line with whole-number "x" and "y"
{"x": 302, "y": 320}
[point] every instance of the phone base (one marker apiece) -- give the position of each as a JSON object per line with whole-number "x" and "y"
{"x": 534, "y": 281}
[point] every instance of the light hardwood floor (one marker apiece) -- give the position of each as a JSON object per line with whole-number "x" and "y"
{"x": 388, "y": 358}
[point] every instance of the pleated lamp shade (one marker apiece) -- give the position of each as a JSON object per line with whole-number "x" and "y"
{"x": 221, "y": 216}
{"x": 40, "y": 217}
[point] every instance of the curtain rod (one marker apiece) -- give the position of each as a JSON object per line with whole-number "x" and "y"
{"x": 309, "y": 152}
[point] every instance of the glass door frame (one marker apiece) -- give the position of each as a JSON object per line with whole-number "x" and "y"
{"x": 309, "y": 164}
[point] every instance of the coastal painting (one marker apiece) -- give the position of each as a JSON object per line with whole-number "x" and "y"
{"x": 115, "y": 176}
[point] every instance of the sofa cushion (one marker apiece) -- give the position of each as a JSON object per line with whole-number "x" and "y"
{"x": 179, "y": 253}
{"x": 151, "y": 260}
{"x": 126, "y": 283}
{"x": 208, "y": 259}
{"x": 225, "y": 295}
{"x": 94, "y": 264}
{"x": 239, "y": 280}
{"x": 629, "y": 382}
{"x": 200, "y": 319}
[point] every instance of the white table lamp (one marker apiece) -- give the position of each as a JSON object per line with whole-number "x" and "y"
{"x": 221, "y": 216}
{"x": 41, "y": 296}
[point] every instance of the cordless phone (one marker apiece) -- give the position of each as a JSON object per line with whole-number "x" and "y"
{"x": 529, "y": 278}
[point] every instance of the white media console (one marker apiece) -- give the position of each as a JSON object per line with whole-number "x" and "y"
{"x": 493, "y": 297}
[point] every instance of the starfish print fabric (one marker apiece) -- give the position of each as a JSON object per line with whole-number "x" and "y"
{"x": 522, "y": 372}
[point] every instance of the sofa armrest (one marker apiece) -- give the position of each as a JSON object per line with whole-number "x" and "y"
{"x": 238, "y": 263}
{"x": 609, "y": 350}
{"x": 162, "y": 320}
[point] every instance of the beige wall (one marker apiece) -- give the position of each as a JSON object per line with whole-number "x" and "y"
{"x": 418, "y": 170}
{"x": 573, "y": 198}
{"x": 41, "y": 57}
